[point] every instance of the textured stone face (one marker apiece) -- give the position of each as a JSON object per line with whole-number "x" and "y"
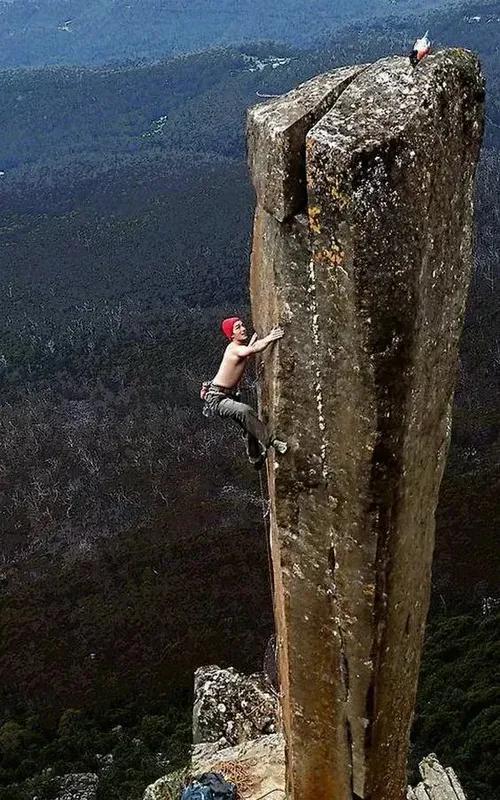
{"x": 232, "y": 707}
{"x": 276, "y": 140}
{"x": 368, "y": 273}
{"x": 438, "y": 783}
{"x": 256, "y": 766}
{"x": 263, "y": 759}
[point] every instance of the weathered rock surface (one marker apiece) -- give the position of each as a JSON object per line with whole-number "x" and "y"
{"x": 231, "y": 706}
{"x": 262, "y": 762}
{"x": 256, "y": 766}
{"x": 166, "y": 788}
{"x": 277, "y": 137}
{"x": 78, "y": 786}
{"x": 159, "y": 790}
{"x": 368, "y": 272}
{"x": 438, "y": 783}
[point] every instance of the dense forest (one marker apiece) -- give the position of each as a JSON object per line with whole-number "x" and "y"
{"x": 133, "y": 543}
{"x": 40, "y": 32}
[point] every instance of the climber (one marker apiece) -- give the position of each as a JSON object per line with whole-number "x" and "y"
{"x": 421, "y": 49}
{"x": 221, "y": 394}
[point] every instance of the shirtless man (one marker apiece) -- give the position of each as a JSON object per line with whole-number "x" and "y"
{"x": 220, "y": 394}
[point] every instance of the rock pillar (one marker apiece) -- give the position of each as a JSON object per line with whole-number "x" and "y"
{"x": 362, "y": 250}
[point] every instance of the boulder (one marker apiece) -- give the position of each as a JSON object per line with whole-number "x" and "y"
{"x": 231, "y": 706}
{"x": 438, "y": 783}
{"x": 167, "y": 788}
{"x": 257, "y": 767}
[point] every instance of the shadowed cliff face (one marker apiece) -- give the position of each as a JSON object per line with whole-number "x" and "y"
{"x": 362, "y": 250}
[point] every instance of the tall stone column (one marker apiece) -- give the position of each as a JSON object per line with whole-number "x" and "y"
{"x": 362, "y": 250}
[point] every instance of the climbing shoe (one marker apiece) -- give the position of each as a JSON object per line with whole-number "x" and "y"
{"x": 280, "y": 446}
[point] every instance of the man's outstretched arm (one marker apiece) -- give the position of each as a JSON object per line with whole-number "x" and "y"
{"x": 258, "y": 345}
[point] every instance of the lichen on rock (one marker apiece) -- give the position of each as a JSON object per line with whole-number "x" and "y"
{"x": 230, "y": 707}
{"x": 260, "y": 760}
{"x": 168, "y": 787}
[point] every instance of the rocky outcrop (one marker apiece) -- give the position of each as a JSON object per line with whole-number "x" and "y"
{"x": 230, "y": 707}
{"x": 256, "y": 766}
{"x": 262, "y": 763}
{"x": 437, "y": 783}
{"x": 78, "y": 786}
{"x": 167, "y": 788}
{"x": 362, "y": 251}
{"x": 276, "y": 141}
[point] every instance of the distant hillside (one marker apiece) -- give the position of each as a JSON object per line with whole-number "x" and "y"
{"x": 37, "y": 32}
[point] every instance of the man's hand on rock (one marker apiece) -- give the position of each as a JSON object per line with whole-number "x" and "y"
{"x": 275, "y": 333}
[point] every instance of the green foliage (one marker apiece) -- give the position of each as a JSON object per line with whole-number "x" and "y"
{"x": 136, "y": 754}
{"x": 42, "y": 786}
{"x": 12, "y": 736}
{"x": 458, "y": 706}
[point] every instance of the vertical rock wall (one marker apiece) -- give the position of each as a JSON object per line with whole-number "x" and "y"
{"x": 362, "y": 250}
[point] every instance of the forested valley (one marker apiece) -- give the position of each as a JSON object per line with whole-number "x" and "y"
{"x": 40, "y": 32}
{"x": 133, "y": 544}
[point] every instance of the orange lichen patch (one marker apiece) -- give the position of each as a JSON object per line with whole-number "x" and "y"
{"x": 314, "y": 212}
{"x": 309, "y": 144}
{"x": 239, "y": 773}
{"x": 336, "y": 192}
{"x": 341, "y": 197}
{"x": 333, "y": 257}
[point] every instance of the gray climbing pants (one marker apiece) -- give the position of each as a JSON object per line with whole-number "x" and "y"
{"x": 225, "y": 405}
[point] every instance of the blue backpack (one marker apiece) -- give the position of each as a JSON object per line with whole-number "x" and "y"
{"x": 195, "y": 791}
{"x": 209, "y": 786}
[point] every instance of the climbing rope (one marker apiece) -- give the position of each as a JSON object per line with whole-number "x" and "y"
{"x": 265, "y": 502}
{"x": 266, "y": 508}
{"x": 495, "y": 124}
